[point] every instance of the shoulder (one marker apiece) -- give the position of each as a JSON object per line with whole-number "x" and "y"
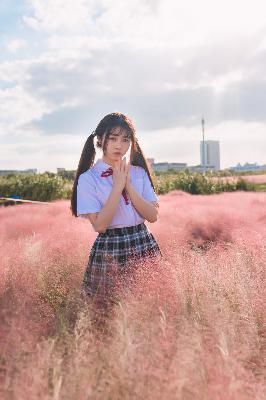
{"x": 137, "y": 171}
{"x": 86, "y": 176}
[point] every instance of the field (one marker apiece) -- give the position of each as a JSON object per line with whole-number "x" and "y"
{"x": 250, "y": 178}
{"x": 190, "y": 327}
{"x": 52, "y": 187}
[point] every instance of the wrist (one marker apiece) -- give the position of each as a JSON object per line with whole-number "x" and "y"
{"x": 128, "y": 186}
{"x": 117, "y": 189}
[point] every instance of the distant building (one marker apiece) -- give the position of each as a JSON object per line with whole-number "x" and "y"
{"x": 210, "y": 154}
{"x": 60, "y": 170}
{"x": 17, "y": 171}
{"x": 200, "y": 168}
{"x": 165, "y": 166}
{"x": 248, "y": 167}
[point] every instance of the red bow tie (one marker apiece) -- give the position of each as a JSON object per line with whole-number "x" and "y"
{"x": 109, "y": 172}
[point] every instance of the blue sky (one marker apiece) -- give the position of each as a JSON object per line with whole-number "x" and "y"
{"x": 65, "y": 64}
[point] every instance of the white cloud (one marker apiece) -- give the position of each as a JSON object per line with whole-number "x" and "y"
{"x": 16, "y": 44}
{"x": 60, "y": 15}
{"x": 164, "y": 62}
{"x": 145, "y": 23}
{"x": 18, "y": 107}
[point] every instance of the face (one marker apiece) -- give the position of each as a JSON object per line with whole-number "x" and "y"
{"x": 117, "y": 145}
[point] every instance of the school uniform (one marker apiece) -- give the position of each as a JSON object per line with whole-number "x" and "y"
{"x": 127, "y": 238}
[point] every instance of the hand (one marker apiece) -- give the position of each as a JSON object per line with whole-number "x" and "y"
{"x": 128, "y": 177}
{"x": 120, "y": 172}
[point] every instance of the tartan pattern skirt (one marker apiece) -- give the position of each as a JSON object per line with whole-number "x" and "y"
{"x": 114, "y": 255}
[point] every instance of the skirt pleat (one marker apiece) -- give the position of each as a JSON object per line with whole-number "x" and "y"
{"x": 114, "y": 254}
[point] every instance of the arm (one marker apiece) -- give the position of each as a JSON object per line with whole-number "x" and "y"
{"x": 146, "y": 209}
{"x": 101, "y": 220}
{"x": 88, "y": 204}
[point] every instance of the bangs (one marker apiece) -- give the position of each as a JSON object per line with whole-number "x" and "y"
{"x": 120, "y": 130}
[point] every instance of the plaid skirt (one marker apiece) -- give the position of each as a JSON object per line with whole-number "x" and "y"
{"x": 114, "y": 255}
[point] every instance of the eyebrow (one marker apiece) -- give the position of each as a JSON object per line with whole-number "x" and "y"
{"x": 118, "y": 134}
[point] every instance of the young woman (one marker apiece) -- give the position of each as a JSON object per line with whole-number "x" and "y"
{"x": 117, "y": 198}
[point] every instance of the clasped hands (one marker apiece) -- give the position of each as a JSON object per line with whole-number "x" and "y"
{"x": 121, "y": 174}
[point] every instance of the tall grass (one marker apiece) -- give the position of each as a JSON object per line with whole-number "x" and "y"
{"x": 191, "y": 326}
{"x": 199, "y": 183}
{"x": 50, "y": 187}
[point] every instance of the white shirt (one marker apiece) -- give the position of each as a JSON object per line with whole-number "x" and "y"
{"x": 93, "y": 191}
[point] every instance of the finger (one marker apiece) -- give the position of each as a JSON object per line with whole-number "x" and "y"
{"x": 124, "y": 164}
{"x": 118, "y": 164}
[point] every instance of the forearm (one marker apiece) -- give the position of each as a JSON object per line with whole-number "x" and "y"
{"x": 146, "y": 209}
{"x": 106, "y": 214}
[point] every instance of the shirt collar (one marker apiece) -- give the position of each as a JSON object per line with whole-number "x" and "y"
{"x": 101, "y": 165}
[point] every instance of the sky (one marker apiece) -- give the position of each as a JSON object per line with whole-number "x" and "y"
{"x": 65, "y": 64}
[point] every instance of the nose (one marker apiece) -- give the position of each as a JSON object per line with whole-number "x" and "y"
{"x": 118, "y": 145}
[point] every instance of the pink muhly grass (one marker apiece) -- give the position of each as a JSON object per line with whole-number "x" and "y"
{"x": 189, "y": 326}
{"x": 250, "y": 178}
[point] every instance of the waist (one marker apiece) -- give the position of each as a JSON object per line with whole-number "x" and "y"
{"x": 124, "y": 230}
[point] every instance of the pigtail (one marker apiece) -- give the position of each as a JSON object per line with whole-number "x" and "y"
{"x": 137, "y": 158}
{"x": 86, "y": 161}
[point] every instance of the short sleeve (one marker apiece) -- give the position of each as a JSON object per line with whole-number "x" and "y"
{"x": 87, "y": 201}
{"x": 148, "y": 191}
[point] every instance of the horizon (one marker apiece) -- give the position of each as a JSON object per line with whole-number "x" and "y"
{"x": 160, "y": 162}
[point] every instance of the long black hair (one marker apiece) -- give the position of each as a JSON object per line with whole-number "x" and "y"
{"x": 106, "y": 125}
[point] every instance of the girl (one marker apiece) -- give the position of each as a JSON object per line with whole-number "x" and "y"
{"x": 117, "y": 198}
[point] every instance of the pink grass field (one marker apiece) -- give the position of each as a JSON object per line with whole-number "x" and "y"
{"x": 249, "y": 178}
{"x": 192, "y": 326}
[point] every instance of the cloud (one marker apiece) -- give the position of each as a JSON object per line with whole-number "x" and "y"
{"x": 152, "y": 111}
{"x": 17, "y": 44}
{"x": 18, "y": 107}
{"x": 72, "y": 92}
{"x": 59, "y": 15}
{"x": 165, "y": 63}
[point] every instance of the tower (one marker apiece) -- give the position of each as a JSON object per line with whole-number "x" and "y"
{"x": 203, "y": 162}
{"x": 209, "y": 152}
